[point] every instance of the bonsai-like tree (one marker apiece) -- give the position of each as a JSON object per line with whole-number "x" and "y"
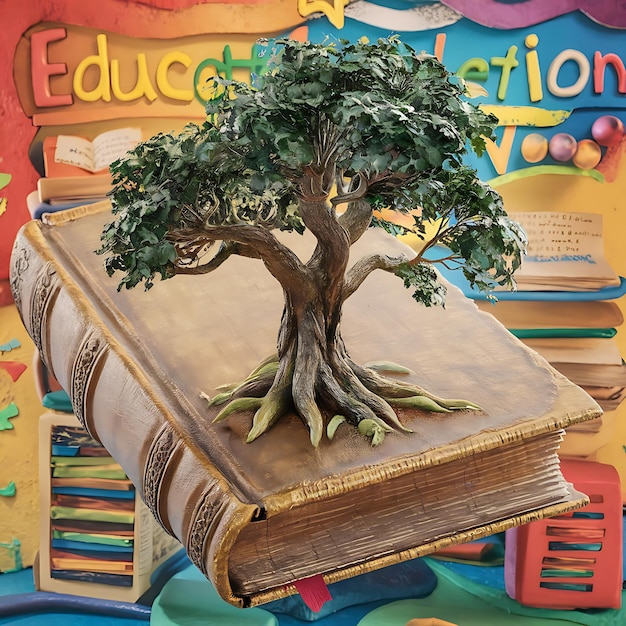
{"x": 333, "y": 134}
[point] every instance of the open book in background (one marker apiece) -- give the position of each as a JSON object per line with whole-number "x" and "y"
{"x": 565, "y": 253}
{"x": 70, "y": 155}
{"x": 76, "y": 168}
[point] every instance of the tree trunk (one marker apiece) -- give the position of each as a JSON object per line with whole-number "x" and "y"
{"x": 312, "y": 373}
{"x": 310, "y": 346}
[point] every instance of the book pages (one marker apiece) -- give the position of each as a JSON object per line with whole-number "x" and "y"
{"x": 565, "y": 251}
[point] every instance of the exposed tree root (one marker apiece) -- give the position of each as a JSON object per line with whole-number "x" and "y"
{"x": 313, "y": 386}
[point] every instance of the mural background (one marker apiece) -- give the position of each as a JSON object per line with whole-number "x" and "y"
{"x": 535, "y": 64}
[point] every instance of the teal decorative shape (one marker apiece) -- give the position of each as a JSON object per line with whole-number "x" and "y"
{"x": 11, "y": 345}
{"x": 14, "y": 548}
{"x": 8, "y": 491}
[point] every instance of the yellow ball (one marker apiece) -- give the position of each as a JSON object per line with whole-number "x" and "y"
{"x": 588, "y": 154}
{"x": 534, "y": 147}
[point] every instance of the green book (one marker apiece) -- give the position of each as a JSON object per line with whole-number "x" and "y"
{"x": 109, "y": 540}
{"x": 89, "y": 471}
{"x": 548, "y": 333}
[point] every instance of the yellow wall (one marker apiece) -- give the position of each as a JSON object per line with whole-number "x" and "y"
{"x": 19, "y": 514}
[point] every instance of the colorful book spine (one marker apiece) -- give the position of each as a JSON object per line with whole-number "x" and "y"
{"x": 91, "y": 529}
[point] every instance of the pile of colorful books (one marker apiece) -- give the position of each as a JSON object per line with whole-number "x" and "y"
{"x": 92, "y": 512}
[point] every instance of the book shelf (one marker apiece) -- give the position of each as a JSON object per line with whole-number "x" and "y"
{"x": 98, "y": 539}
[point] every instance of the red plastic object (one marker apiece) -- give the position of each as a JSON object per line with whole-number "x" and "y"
{"x": 572, "y": 561}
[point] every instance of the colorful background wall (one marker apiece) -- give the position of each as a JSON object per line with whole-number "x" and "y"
{"x": 552, "y": 72}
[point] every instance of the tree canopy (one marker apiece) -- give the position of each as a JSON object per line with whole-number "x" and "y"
{"x": 380, "y": 121}
{"x": 333, "y": 133}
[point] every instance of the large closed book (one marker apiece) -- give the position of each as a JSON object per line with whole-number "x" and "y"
{"x": 257, "y": 517}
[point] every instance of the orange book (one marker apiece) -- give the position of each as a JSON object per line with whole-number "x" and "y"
{"x": 71, "y": 155}
{"x": 55, "y": 168}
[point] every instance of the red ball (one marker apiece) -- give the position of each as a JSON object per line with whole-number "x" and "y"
{"x": 607, "y": 130}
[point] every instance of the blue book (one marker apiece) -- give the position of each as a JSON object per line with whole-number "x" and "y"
{"x": 84, "y": 548}
{"x": 118, "y": 580}
{"x": 457, "y": 278}
{"x": 95, "y": 493}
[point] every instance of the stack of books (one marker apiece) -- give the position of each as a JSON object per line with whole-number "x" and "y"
{"x": 576, "y": 337}
{"x": 565, "y": 306}
{"x": 92, "y": 512}
{"x": 566, "y": 302}
{"x": 76, "y": 169}
{"x": 97, "y": 538}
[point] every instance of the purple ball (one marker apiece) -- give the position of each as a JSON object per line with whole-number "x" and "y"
{"x": 562, "y": 147}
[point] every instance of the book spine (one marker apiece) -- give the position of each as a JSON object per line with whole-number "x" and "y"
{"x": 182, "y": 488}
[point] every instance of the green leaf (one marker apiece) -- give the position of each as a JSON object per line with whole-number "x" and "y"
{"x": 422, "y": 278}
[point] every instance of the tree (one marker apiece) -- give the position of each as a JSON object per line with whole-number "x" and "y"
{"x": 333, "y": 134}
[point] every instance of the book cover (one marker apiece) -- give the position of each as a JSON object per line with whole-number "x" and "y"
{"x": 545, "y": 314}
{"x": 255, "y": 518}
{"x": 587, "y": 350}
{"x": 65, "y": 189}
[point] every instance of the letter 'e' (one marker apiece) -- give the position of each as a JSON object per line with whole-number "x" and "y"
{"x": 41, "y": 70}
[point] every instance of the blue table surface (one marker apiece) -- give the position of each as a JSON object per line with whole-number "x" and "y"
{"x": 21, "y": 605}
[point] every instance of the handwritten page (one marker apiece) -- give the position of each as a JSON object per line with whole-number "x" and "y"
{"x": 75, "y": 151}
{"x": 114, "y": 144}
{"x": 565, "y": 251}
{"x": 98, "y": 154}
{"x": 562, "y": 236}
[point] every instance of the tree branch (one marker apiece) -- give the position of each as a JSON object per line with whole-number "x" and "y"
{"x": 365, "y": 266}
{"x": 441, "y": 234}
{"x": 330, "y": 257}
{"x": 355, "y": 194}
{"x": 280, "y": 261}
{"x": 227, "y": 249}
{"x": 356, "y": 219}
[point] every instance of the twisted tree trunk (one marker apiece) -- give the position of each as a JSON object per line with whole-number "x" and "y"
{"x": 312, "y": 373}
